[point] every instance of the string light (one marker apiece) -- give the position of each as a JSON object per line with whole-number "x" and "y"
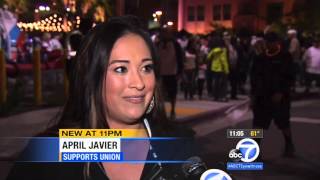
{"x": 49, "y": 24}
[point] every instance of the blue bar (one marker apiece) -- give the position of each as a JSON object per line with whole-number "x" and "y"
{"x": 241, "y": 166}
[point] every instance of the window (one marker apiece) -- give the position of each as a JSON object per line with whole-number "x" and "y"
{"x": 274, "y": 12}
{"x": 247, "y": 9}
{"x": 226, "y": 12}
{"x": 191, "y": 13}
{"x": 217, "y": 12}
{"x": 200, "y": 13}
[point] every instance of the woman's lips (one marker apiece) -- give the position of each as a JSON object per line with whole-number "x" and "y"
{"x": 135, "y": 99}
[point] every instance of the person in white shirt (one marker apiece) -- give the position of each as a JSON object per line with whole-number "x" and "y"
{"x": 55, "y": 43}
{"x": 312, "y": 60}
{"x": 295, "y": 49}
{"x": 190, "y": 65}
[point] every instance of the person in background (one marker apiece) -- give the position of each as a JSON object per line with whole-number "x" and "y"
{"x": 202, "y": 66}
{"x": 73, "y": 45}
{"x": 220, "y": 70}
{"x": 56, "y": 47}
{"x": 294, "y": 50}
{"x": 233, "y": 64}
{"x": 55, "y": 42}
{"x": 243, "y": 50}
{"x": 271, "y": 77}
{"x": 312, "y": 60}
{"x": 45, "y": 46}
{"x": 190, "y": 69}
{"x": 171, "y": 65}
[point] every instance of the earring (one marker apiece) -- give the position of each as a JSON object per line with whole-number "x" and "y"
{"x": 151, "y": 105}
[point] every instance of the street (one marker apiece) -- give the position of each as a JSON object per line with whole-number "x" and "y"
{"x": 305, "y": 127}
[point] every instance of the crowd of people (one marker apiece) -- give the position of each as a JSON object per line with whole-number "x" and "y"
{"x": 222, "y": 62}
{"x": 51, "y": 47}
{"x": 267, "y": 66}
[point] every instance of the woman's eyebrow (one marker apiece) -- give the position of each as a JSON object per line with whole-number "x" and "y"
{"x": 127, "y": 61}
{"x": 118, "y": 61}
{"x": 146, "y": 59}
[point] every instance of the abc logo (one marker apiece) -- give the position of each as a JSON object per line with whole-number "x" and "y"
{"x": 215, "y": 174}
{"x": 235, "y": 155}
{"x": 249, "y": 149}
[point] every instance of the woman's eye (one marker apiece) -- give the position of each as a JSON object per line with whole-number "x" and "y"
{"x": 148, "y": 68}
{"x": 120, "y": 69}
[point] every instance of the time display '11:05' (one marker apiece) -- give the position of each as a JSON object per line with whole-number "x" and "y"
{"x": 244, "y": 133}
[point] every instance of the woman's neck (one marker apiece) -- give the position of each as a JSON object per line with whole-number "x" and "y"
{"x": 140, "y": 127}
{"x": 115, "y": 125}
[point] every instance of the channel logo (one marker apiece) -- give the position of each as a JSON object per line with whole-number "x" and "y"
{"x": 249, "y": 149}
{"x": 242, "y": 157}
{"x": 215, "y": 174}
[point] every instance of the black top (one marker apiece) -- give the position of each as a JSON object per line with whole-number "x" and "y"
{"x": 272, "y": 74}
{"x": 179, "y": 150}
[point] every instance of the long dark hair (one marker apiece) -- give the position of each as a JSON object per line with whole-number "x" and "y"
{"x": 85, "y": 107}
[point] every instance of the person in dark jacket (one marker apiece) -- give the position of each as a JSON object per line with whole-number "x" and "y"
{"x": 272, "y": 74}
{"x": 116, "y": 87}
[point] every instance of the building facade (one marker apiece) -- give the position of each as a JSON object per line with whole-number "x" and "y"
{"x": 202, "y": 16}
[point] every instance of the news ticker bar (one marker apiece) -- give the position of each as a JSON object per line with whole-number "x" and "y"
{"x": 244, "y": 133}
{"x": 47, "y": 149}
{"x": 242, "y": 166}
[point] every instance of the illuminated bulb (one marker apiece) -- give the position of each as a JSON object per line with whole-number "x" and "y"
{"x": 36, "y": 10}
{"x": 55, "y": 16}
{"x": 47, "y": 8}
{"x": 60, "y": 19}
{"x": 155, "y": 19}
{"x": 170, "y": 23}
{"x": 51, "y": 17}
{"x": 54, "y": 20}
{"x": 159, "y": 13}
{"x": 42, "y": 8}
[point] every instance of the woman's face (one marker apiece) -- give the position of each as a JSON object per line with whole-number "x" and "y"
{"x": 130, "y": 80}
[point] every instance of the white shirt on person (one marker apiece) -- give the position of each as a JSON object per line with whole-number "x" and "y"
{"x": 312, "y": 59}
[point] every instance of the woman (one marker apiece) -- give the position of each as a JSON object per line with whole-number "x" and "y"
{"x": 190, "y": 68}
{"x": 115, "y": 86}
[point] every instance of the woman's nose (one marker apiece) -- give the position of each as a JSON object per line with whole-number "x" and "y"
{"x": 136, "y": 80}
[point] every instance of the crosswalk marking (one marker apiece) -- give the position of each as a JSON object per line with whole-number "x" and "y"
{"x": 305, "y": 120}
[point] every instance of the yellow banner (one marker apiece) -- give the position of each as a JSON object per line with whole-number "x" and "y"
{"x": 99, "y": 133}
